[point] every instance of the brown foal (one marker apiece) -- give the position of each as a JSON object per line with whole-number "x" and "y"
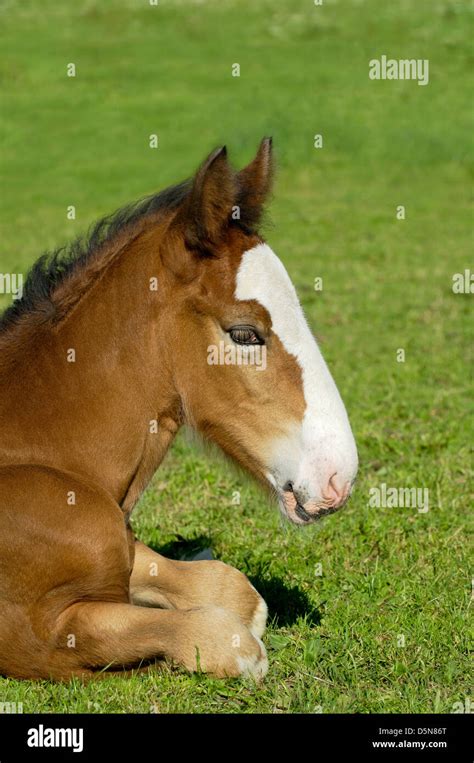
{"x": 103, "y": 359}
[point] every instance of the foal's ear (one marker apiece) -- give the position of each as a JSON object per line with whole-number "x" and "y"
{"x": 255, "y": 182}
{"x": 209, "y": 204}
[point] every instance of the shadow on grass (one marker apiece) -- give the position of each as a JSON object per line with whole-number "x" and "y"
{"x": 285, "y": 603}
{"x": 185, "y": 549}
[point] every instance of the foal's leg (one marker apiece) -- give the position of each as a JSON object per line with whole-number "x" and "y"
{"x": 64, "y": 590}
{"x": 160, "y": 582}
{"x": 122, "y": 635}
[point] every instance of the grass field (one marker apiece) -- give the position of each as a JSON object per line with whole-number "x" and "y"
{"x": 381, "y": 625}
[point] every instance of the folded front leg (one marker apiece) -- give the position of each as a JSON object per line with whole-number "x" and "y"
{"x": 122, "y": 635}
{"x": 160, "y": 582}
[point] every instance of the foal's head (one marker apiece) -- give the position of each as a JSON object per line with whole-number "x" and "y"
{"x": 247, "y": 369}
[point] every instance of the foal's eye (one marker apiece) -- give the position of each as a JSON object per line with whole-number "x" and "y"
{"x": 245, "y": 335}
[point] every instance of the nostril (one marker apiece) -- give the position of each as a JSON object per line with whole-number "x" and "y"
{"x": 288, "y": 487}
{"x": 333, "y": 493}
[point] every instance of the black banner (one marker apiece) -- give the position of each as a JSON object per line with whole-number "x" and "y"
{"x": 90, "y": 737}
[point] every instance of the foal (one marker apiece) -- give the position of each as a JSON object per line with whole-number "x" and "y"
{"x": 104, "y": 358}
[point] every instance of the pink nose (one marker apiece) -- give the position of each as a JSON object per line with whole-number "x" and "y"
{"x": 335, "y": 492}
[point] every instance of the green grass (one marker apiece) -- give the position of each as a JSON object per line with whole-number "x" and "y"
{"x": 333, "y": 638}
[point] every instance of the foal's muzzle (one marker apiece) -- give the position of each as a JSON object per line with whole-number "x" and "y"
{"x": 302, "y": 512}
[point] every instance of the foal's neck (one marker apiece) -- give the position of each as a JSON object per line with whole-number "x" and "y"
{"x": 141, "y": 411}
{"x": 97, "y": 387}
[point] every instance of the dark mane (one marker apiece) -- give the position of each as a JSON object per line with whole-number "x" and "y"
{"x": 52, "y": 268}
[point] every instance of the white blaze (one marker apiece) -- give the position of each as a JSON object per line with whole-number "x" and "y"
{"x": 324, "y": 443}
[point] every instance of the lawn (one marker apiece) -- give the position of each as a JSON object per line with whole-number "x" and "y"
{"x": 368, "y": 609}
